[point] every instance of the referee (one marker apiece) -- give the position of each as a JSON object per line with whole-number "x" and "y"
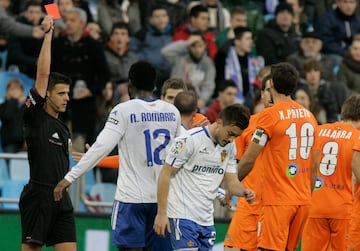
{"x": 44, "y": 221}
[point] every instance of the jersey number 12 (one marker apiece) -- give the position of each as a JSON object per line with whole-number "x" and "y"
{"x": 153, "y": 156}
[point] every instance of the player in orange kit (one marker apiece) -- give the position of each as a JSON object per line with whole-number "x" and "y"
{"x": 355, "y": 218}
{"x": 331, "y": 202}
{"x": 285, "y": 136}
{"x": 242, "y": 232}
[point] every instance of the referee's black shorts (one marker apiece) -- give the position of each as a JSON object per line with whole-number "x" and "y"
{"x": 43, "y": 220}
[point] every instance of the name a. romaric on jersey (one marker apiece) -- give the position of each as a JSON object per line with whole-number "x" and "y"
{"x": 208, "y": 169}
{"x": 294, "y": 114}
{"x": 152, "y": 117}
{"x": 335, "y": 134}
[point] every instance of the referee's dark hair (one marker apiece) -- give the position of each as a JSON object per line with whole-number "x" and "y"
{"x": 142, "y": 76}
{"x": 237, "y": 115}
{"x": 57, "y": 78}
{"x": 186, "y": 102}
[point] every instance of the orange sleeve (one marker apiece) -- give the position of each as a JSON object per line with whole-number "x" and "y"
{"x": 109, "y": 162}
{"x": 198, "y": 117}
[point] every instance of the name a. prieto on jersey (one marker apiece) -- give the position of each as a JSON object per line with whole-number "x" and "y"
{"x": 294, "y": 114}
{"x": 152, "y": 117}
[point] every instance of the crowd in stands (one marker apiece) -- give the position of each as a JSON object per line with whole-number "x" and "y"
{"x": 221, "y": 48}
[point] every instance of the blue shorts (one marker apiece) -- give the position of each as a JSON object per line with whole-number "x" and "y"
{"x": 132, "y": 224}
{"x": 186, "y": 235}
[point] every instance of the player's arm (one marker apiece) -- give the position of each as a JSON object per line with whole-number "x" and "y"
{"x": 237, "y": 188}
{"x": 44, "y": 60}
{"x": 314, "y": 169}
{"x": 105, "y": 142}
{"x": 248, "y": 159}
{"x": 161, "y": 220}
{"x": 355, "y": 165}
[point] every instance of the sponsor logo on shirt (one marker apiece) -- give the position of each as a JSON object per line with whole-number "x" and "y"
{"x": 204, "y": 150}
{"x": 55, "y": 135}
{"x": 207, "y": 169}
{"x": 113, "y": 121}
{"x": 292, "y": 170}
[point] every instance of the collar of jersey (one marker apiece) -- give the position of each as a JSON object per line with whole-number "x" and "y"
{"x": 206, "y": 130}
{"x": 148, "y": 100}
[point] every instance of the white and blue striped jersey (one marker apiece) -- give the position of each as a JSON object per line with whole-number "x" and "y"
{"x": 143, "y": 130}
{"x": 201, "y": 165}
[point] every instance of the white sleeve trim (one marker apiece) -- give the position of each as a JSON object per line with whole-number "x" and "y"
{"x": 105, "y": 142}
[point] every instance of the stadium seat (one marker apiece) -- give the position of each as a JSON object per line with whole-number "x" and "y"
{"x": 7, "y": 75}
{"x": 103, "y": 192}
{"x": 19, "y": 169}
{"x": 12, "y": 189}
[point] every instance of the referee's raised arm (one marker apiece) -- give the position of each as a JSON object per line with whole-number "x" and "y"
{"x": 44, "y": 60}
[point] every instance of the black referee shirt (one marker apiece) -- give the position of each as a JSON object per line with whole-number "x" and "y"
{"x": 48, "y": 142}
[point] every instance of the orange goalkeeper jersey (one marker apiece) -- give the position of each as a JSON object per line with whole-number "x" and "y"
{"x": 254, "y": 179}
{"x": 286, "y": 156}
{"x": 332, "y": 196}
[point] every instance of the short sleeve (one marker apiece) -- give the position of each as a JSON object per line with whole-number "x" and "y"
{"x": 180, "y": 151}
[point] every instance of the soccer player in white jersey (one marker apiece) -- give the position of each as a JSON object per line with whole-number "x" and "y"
{"x": 144, "y": 129}
{"x": 191, "y": 175}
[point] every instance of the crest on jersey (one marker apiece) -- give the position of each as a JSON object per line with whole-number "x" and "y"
{"x": 223, "y": 155}
{"x": 292, "y": 170}
{"x": 318, "y": 183}
{"x": 178, "y": 146}
{"x": 190, "y": 243}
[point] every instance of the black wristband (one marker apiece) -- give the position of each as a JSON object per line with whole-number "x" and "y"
{"x": 48, "y": 30}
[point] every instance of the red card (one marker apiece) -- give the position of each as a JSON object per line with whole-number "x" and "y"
{"x": 53, "y": 10}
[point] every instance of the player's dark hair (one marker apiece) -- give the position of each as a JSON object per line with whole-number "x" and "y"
{"x": 57, "y": 78}
{"x": 142, "y": 76}
{"x": 186, "y": 102}
{"x": 350, "y": 110}
{"x": 285, "y": 78}
{"x": 236, "y": 114}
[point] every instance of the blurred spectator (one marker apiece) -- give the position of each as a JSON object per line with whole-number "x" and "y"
{"x": 349, "y": 70}
{"x": 108, "y": 14}
{"x": 219, "y": 17}
{"x": 177, "y": 9}
{"x": 24, "y": 51}
{"x": 131, "y": 14}
{"x": 321, "y": 90}
{"x": 300, "y": 20}
{"x": 190, "y": 62}
{"x": 11, "y": 112}
{"x": 199, "y": 22}
{"x": 310, "y": 48}
{"x": 226, "y": 97}
{"x": 84, "y": 5}
{"x": 337, "y": 28}
{"x": 238, "y": 18}
{"x": 9, "y": 25}
{"x": 119, "y": 59}
{"x": 148, "y": 42}
{"x": 104, "y": 105}
{"x": 235, "y": 63}
{"x": 95, "y": 32}
{"x": 278, "y": 39}
{"x": 303, "y": 96}
{"x": 82, "y": 58}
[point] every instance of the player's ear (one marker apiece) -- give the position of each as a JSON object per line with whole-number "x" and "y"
{"x": 219, "y": 122}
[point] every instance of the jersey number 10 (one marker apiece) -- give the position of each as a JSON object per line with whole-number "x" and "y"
{"x": 306, "y": 140}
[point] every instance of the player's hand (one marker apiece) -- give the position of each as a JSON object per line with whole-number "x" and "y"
{"x": 47, "y": 25}
{"x": 249, "y": 196}
{"x": 76, "y": 156}
{"x": 227, "y": 200}
{"x": 59, "y": 189}
{"x": 161, "y": 222}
